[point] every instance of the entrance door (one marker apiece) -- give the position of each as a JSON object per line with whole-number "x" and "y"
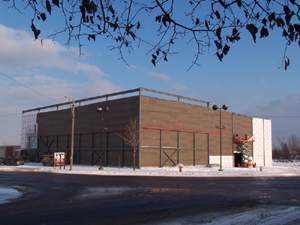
{"x": 9, "y": 152}
{"x": 237, "y": 159}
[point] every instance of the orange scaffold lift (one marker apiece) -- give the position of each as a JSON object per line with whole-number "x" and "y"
{"x": 243, "y": 147}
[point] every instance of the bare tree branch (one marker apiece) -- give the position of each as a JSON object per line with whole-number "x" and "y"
{"x": 214, "y": 24}
{"x": 131, "y": 135}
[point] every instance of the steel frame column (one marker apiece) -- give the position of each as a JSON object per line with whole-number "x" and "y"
{"x": 178, "y": 147}
{"x": 56, "y": 142}
{"x": 194, "y": 147}
{"x": 78, "y": 149}
{"x": 264, "y": 152}
{"x": 67, "y": 147}
{"x": 140, "y": 129}
{"x": 37, "y": 150}
{"x": 221, "y": 153}
{"x": 161, "y": 149}
{"x": 232, "y": 121}
{"x": 122, "y": 146}
{"x": 208, "y": 146}
{"x": 92, "y": 148}
{"x": 105, "y": 148}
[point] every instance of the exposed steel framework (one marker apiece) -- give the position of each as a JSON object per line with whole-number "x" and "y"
{"x": 50, "y": 145}
{"x": 177, "y": 149}
{"x": 139, "y": 90}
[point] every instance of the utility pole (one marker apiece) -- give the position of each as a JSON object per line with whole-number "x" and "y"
{"x": 72, "y": 132}
{"x": 100, "y": 110}
{"x": 224, "y": 107}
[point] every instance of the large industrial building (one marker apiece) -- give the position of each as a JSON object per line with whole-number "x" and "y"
{"x": 173, "y": 130}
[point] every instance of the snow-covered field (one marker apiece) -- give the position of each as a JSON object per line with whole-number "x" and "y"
{"x": 266, "y": 215}
{"x": 278, "y": 169}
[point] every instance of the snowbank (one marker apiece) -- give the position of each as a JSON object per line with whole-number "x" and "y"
{"x": 278, "y": 169}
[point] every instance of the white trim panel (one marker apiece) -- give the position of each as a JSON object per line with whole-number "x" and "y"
{"x": 227, "y": 160}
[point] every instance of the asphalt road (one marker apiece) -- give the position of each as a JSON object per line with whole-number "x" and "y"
{"x": 85, "y": 199}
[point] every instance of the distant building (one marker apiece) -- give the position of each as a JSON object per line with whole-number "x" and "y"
{"x": 9, "y": 150}
{"x": 184, "y": 130}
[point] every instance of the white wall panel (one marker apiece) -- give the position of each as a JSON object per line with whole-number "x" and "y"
{"x": 227, "y": 160}
{"x": 258, "y": 144}
{"x": 268, "y": 142}
{"x": 262, "y": 146}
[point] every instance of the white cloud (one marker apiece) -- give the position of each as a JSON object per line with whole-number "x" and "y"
{"x": 284, "y": 114}
{"x": 20, "y": 51}
{"x": 31, "y": 86}
{"x": 160, "y": 76}
{"x": 288, "y": 105}
{"x": 38, "y": 78}
{"x": 16, "y": 98}
{"x": 180, "y": 87}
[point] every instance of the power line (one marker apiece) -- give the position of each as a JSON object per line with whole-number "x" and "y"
{"x": 276, "y": 116}
{"x": 28, "y": 87}
{"x": 14, "y": 114}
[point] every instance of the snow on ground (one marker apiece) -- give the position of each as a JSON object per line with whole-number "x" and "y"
{"x": 278, "y": 169}
{"x": 267, "y": 215}
{"x": 7, "y": 194}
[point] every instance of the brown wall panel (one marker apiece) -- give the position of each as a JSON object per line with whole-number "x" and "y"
{"x": 85, "y": 157}
{"x": 76, "y": 139}
{"x": 169, "y": 138}
{"x": 151, "y": 157}
{"x": 214, "y": 141}
{"x": 186, "y": 157}
{"x": 61, "y": 141}
{"x": 171, "y": 115}
{"x": 128, "y": 158}
{"x": 85, "y": 140}
{"x": 114, "y": 140}
{"x": 201, "y": 140}
{"x": 150, "y": 137}
{"x": 87, "y": 119}
{"x": 186, "y": 140}
{"x": 201, "y": 157}
{"x": 113, "y": 158}
{"x": 97, "y": 140}
{"x": 242, "y": 125}
{"x": 88, "y": 125}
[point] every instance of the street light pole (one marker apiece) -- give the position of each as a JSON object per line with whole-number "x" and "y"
{"x": 224, "y": 107}
{"x": 100, "y": 110}
{"x": 72, "y": 132}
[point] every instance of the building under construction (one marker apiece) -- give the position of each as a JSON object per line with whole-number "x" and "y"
{"x": 173, "y": 129}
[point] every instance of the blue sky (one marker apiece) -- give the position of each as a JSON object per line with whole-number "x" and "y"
{"x": 248, "y": 80}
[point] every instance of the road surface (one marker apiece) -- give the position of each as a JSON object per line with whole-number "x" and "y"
{"x": 92, "y": 199}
